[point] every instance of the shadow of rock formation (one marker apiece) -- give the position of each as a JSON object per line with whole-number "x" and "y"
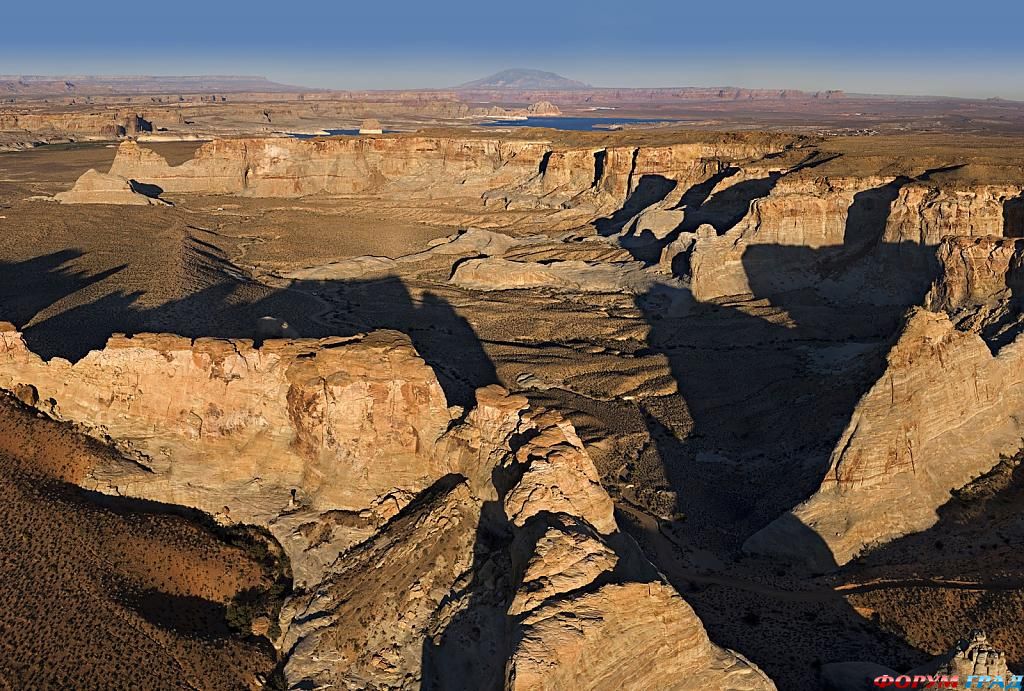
{"x": 146, "y": 189}
{"x": 1013, "y": 217}
{"x": 968, "y": 562}
{"x": 230, "y": 305}
{"x": 649, "y": 191}
{"x": 28, "y": 287}
{"x": 770, "y": 382}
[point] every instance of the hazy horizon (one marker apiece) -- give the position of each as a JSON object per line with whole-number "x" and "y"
{"x": 872, "y": 47}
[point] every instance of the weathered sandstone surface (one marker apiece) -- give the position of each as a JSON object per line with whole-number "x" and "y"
{"x": 557, "y": 652}
{"x": 489, "y": 261}
{"x": 109, "y": 124}
{"x": 830, "y": 221}
{"x": 495, "y": 273}
{"x": 973, "y": 655}
{"x": 345, "y": 421}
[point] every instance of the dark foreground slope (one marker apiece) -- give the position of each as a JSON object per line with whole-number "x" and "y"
{"x": 99, "y": 593}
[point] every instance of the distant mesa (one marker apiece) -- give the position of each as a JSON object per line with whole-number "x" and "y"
{"x": 371, "y": 126}
{"x": 49, "y": 85}
{"x": 543, "y": 108}
{"x": 525, "y": 79}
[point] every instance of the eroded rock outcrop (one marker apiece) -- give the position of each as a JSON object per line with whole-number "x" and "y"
{"x": 341, "y": 421}
{"x": 973, "y": 655}
{"x": 981, "y": 286}
{"x": 559, "y": 477}
{"x": 102, "y": 188}
{"x": 566, "y": 557}
{"x": 366, "y": 624}
{"x": 543, "y": 108}
{"x": 941, "y": 414}
{"x": 430, "y": 549}
{"x": 977, "y": 271}
{"x": 446, "y": 587}
{"x": 804, "y": 228}
{"x": 495, "y": 273}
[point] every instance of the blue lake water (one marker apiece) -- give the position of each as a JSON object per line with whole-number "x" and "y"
{"x": 557, "y": 123}
{"x": 571, "y": 123}
{"x": 353, "y": 131}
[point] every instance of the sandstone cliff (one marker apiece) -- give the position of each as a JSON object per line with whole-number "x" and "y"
{"x": 510, "y": 173}
{"x": 833, "y": 222}
{"x": 942, "y": 413}
{"x": 344, "y": 421}
{"x": 106, "y": 125}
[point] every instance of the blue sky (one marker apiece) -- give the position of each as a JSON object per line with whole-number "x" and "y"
{"x": 971, "y": 49}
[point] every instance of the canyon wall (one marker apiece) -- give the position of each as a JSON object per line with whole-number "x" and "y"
{"x": 942, "y": 413}
{"x": 109, "y": 124}
{"x": 507, "y": 173}
{"x": 880, "y": 231}
{"x": 343, "y": 421}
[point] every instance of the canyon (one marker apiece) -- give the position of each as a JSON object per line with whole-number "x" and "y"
{"x": 532, "y": 409}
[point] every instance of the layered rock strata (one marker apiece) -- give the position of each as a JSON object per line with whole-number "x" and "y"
{"x": 343, "y": 422}
{"x": 804, "y": 228}
{"x": 508, "y": 174}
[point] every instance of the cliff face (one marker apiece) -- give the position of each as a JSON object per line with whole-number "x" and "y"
{"x": 941, "y": 414}
{"x": 642, "y": 616}
{"x": 343, "y": 421}
{"x": 977, "y": 272}
{"x": 569, "y": 603}
{"x": 895, "y": 222}
{"x": 108, "y": 124}
{"x": 513, "y": 173}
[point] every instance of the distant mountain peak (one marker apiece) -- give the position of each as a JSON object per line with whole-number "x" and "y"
{"x": 524, "y": 79}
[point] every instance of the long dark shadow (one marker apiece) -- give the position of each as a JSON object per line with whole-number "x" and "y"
{"x": 649, "y": 191}
{"x": 769, "y": 398}
{"x": 28, "y": 287}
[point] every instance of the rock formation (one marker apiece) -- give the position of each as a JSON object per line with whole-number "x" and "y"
{"x": 564, "y": 645}
{"x": 109, "y": 125}
{"x": 737, "y": 326}
{"x": 512, "y": 173}
{"x": 543, "y": 108}
{"x": 339, "y": 444}
{"x": 973, "y": 655}
{"x": 580, "y": 276}
{"x": 102, "y": 188}
{"x": 322, "y": 416}
{"x": 371, "y": 126}
{"x": 839, "y": 217}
